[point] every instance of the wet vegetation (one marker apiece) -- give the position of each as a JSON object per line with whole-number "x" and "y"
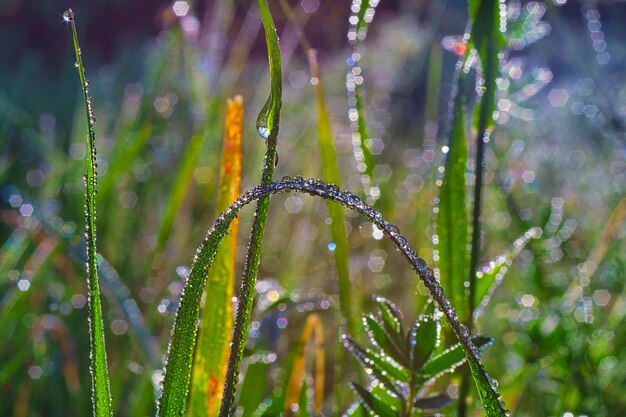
{"x": 443, "y": 235}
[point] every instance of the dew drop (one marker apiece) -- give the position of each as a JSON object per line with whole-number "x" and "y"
{"x": 68, "y": 15}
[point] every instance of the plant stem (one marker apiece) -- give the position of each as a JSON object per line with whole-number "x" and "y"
{"x": 101, "y": 391}
{"x": 271, "y": 117}
{"x": 481, "y": 137}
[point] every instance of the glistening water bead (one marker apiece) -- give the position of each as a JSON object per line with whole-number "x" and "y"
{"x": 68, "y": 15}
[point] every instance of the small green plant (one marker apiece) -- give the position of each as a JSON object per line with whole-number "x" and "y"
{"x": 401, "y": 363}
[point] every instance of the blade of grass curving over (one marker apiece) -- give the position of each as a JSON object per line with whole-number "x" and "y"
{"x": 313, "y": 330}
{"x": 267, "y": 127}
{"x": 101, "y": 392}
{"x": 183, "y": 335}
{"x": 452, "y": 212}
{"x": 213, "y": 346}
{"x": 330, "y": 172}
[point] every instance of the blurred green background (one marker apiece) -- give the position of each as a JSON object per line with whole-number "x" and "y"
{"x": 160, "y": 73}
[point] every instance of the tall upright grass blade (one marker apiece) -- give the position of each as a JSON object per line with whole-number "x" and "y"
{"x": 452, "y": 223}
{"x": 213, "y": 346}
{"x": 101, "y": 392}
{"x": 267, "y": 127}
{"x": 330, "y": 172}
{"x": 488, "y": 21}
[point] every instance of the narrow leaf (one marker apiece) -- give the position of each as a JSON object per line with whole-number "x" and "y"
{"x": 391, "y": 315}
{"x": 377, "y": 366}
{"x": 381, "y": 338}
{"x": 452, "y": 214}
{"x": 372, "y": 403}
{"x": 488, "y": 23}
{"x": 211, "y": 355}
{"x": 423, "y": 339}
{"x": 101, "y": 391}
{"x": 432, "y": 403}
{"x": 451, "y": 358}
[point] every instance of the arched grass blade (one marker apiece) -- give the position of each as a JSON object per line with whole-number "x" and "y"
{"x": 101, "y": 392}
{"x": 183, "y": 339}
{"x": 211, "y": 357}
{"x": 330, "y": 170}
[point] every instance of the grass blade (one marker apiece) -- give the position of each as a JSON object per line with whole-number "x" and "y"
{"x": 330, "y": 172}
{"x": 487, "y": 24}
{"x": 267, "y": 127}
{"x": 101, "y": 391}
{"x": 209, "y": 369}
{"x": 452, "y": 213}
{"x": 486, "y": 37}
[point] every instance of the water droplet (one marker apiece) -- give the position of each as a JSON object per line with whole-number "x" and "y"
{"x": 68, "y": 15}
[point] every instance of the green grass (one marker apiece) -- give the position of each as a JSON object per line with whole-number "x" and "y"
{"x": 545, "y": 312}
{"x": 101, "y": 391}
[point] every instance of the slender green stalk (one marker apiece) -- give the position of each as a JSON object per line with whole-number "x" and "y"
{"x": 486, "y": 37}
{"x": 267, "y": 127}
{"x": 99, "y": 372}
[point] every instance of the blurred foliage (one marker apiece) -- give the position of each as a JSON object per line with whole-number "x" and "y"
{"x": 556, "y": 160}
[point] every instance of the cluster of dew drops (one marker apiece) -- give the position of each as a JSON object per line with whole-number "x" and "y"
{"x": 355, "y": 203}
